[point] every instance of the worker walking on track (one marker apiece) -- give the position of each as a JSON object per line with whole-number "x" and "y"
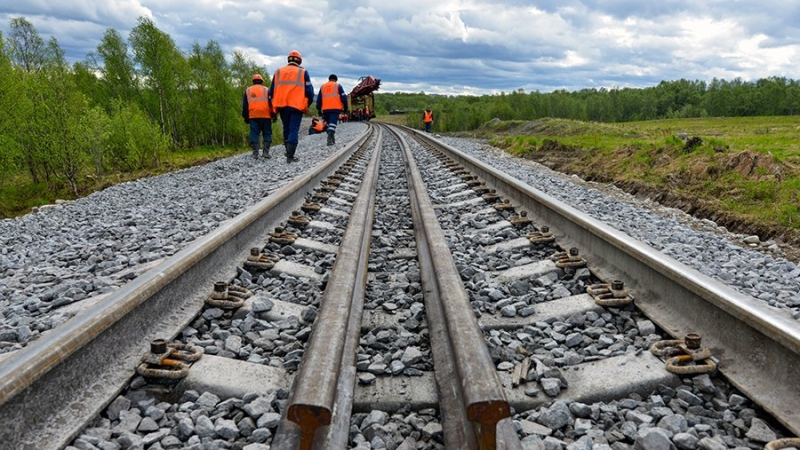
{"x": 257, "y": 112}
{"x": 291, "y": 94}
{"x": 427, "y": 118}
{"x": 331, "y": 101}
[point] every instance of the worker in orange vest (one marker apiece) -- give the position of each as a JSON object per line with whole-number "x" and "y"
{"x": 291, "y": 93}
{"x": 331, "y": 101}
{"x": 317, "y": 126}
{"x": 257, "y": 112}
{"x": 427, "y": 118}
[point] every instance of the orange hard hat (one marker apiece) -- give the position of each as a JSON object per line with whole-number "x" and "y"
{"x": 258, "y": 77}
{"x": 294, "y": 56}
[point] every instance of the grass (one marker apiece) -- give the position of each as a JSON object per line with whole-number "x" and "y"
{"x": 19, "y": 194}
{"x": 748, "y": 167}
{"x": 396, "y": 119}
{"x": 776, "y": 135}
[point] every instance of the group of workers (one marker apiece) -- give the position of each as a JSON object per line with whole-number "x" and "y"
{"x": 289, "y": 97}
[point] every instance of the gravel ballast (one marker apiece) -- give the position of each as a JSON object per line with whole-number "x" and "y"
{"x": 78, "y": 250}
{"x": 699, "y": 414}
{"x": 701, "y": 244}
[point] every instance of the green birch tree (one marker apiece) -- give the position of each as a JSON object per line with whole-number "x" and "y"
{"x": 162, "y": 71}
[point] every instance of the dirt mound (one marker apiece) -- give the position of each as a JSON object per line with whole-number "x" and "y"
{"x": 555, "y": 146}
{"x": 556, "y": 155}
{"x": 748, "y": 163}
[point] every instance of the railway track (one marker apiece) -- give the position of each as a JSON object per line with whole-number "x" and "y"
{"x": 338, "y": 318}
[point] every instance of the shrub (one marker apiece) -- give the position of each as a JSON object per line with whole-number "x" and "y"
{"x": 133, "y": 141}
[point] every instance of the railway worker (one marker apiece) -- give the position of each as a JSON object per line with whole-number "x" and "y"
{"x": 291, "y": 94}
{"x": 331, "y": 101}
{"x": 317, "y": 126}
{"x": 257, "y": 112}
{"x": 427, "y": 119}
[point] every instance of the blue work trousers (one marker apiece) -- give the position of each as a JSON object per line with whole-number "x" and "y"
{"x": 258, "y": 127}
{"x": 291, "y": 118}
{"x": 332, "y": 117}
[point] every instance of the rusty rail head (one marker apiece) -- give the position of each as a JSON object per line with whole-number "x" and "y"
{"x": 310, "y": 418}
{"x": 486, "y": 415}
{"x": 488, "y": 412}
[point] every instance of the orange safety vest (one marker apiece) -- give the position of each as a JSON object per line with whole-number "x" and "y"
{"x": 330, "y": 96}
{"x": 258, "y": 102}
{"x": 428, "y": 117}
{"x": 290, "y": 88}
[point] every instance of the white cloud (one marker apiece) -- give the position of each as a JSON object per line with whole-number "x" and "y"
{"x": 254, "y": 16}
{"x": 459, "y": 46}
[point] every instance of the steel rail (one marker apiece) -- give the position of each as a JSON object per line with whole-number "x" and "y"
{"x": 457, "y": 341}
{"x": 758, "y": 346}
{"x": 338, "y": 433}
{"x": 330, "y": 355}
{"x": 51, "y": 389}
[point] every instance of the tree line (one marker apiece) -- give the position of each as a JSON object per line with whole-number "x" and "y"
{"x": 122, "y": 109}
{"x": 771, "y": 96}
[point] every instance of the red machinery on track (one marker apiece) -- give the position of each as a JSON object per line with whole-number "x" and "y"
{"x": 362, "y": 97}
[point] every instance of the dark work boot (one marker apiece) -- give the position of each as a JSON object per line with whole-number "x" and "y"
{"x": 254, "y": 146}
{"x": 290, "y": 149}
{"x": 331, "y": 141}
{"x": 266, "y": 149}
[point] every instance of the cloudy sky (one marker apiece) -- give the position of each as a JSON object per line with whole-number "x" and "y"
{"x": 459, "y": 46}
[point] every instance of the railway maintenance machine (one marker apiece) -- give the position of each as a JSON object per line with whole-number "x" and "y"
{"x": 362, "y": 96}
